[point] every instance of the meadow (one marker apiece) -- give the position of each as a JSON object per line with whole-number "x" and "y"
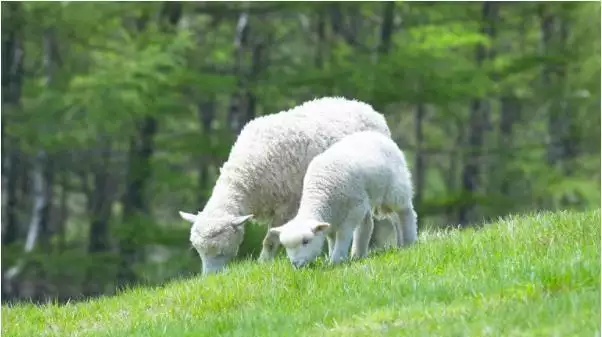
{"x": 531, "y": 275}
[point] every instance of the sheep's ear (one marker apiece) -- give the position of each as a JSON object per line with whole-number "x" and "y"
{"x": 320, "y": 227}
{"x": 239, "y": 221}
{"x": 188, "y": 216}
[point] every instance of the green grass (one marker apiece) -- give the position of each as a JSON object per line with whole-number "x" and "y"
{"x": 537, "y": 275}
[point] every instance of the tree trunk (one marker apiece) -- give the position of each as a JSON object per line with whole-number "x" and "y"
{"x": 562, "y": 134}
{"x": 386, "y": 31}
{"x": 43, "y": 172}
{"x": 206, "y": 114}
{"x": 134, "y": 203}
{"x": 257, "y": 65}
{"x": 336, "y": 19}
{"x": 339, "y": 27}
{"x": 510, "y": 114}
{"x": 570, "y": 135}
{"x": 243, "y": 104}
{"x": 12, "y": 79}
{"x": 570, "y": 131}
{"x": 510, "y": 109}
{"x": 236, "y": 110}
{"x": 100, "y": 213}
{"x": 50, "y": 65}
{"x": 11, "y": 231}
{"x": 321, "y": 38}
{"x": 41, "y": 199}
{"x": 479, "y": 115}
{"x": 100, "y": 205}
{"x": 420, "y": 165}
{"x": 451, "y": 209}
{"x": 135, "y": 207}
{"x": 548, "y": 31}
{"x": 384, "y": 46}
{"x": 64, "y": 210}
{"x": 48, "y": 181}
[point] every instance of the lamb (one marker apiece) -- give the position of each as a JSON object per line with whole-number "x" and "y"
{"x": 262, "y": 177}
{"x": 384, "y": 235}
{"x": 363, "y": 175}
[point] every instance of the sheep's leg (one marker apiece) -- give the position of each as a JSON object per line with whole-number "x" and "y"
{"x": 361, "y": 237}
{"x": 269, "y": 247}
{"x": 409, "y": 225}
{"x": 270, "y": 243}
{"x": 341, "y": 245}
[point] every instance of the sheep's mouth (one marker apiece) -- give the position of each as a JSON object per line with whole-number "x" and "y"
{"x": 305, "y": 264}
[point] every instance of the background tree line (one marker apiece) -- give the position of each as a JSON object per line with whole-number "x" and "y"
{"x": 116, "y": 115}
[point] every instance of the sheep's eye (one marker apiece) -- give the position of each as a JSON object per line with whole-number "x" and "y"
{"x": 305, "y": 242}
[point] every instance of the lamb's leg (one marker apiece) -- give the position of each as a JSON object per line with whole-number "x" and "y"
{"x": 341, "y": 245}
{"x": 344, "y": 234}
{"x": 331, "y": 240}
{"x": 396, "y": 221}
{"x": 409, "y": 225}
{"x": 384, "y": 234}
{"x": 361, "y": 237}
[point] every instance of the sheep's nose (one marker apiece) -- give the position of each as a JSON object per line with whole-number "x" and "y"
{"x": 298, "y": 264}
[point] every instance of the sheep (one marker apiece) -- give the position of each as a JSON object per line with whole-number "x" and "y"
{"x": 262, "y": 177}
{"x": 363, "y": 175}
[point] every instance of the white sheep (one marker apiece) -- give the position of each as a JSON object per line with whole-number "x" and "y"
{"x": 362, "y": 175}
{"x": 384, "y": 234}
{"x": 264, "y": 173}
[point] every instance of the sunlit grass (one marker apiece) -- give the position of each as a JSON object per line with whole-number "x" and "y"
{"x": 537, "y": 275}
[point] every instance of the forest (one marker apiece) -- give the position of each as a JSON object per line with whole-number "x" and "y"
{"x": 115, "y": 115}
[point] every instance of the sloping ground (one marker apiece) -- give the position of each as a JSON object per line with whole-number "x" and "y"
{"x": 537, "y": 275}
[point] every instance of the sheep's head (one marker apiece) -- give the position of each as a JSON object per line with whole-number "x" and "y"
{"x": 302, "y": 239}
{"x": 216, "y": 239}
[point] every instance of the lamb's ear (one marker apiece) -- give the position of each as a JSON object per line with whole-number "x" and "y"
{"x": 188, "y": 216}
{"x": 240, "y": 220}
{"x": 320, "y": 227}
{"x": 275, "y": 231}
{"x": 273, "y": 234}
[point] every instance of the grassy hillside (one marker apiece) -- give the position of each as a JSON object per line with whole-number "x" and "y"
{"x": 523, "y": 276}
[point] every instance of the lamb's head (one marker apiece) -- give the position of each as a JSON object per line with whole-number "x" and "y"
{"x": 216, "y": 239}
{"x": 302, "y": 239}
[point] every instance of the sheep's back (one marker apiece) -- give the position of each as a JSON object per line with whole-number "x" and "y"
{"x": 271, "y": 155}
{"x": 364, "y": 165}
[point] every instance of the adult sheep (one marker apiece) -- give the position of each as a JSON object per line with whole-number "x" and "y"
{"x": 263, "y": 175}
{"x": 363, "y": 175}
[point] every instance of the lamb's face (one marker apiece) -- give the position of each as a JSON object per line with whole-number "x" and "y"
{"x": 303, "y": 240}
{"x": 216, "y": 239}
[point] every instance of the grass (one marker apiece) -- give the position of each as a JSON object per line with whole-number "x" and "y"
{"x": 537, "y": 275}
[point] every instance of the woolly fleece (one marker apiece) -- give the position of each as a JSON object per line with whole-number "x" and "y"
{"x": 362, "y": 174}
{"x": 264, "y": 172}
